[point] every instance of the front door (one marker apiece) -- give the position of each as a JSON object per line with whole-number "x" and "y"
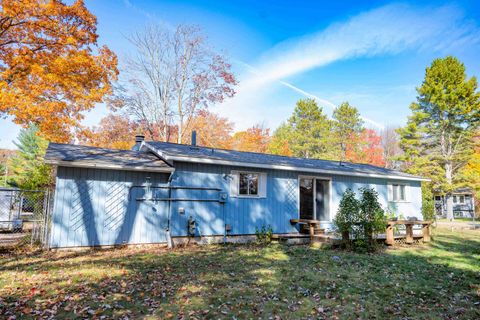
{"x": 314, "y": 199}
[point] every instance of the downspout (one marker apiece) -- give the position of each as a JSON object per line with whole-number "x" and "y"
{"x": 169, "y": 212}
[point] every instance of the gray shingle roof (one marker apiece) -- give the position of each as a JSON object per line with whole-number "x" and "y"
{"x": 85, "y": 156}
{"x": 180, "y": 152}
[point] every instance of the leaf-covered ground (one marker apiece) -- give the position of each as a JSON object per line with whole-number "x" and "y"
{"x": 441, "y": 281}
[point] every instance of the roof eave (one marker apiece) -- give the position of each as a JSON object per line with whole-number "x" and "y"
{"x": 81, "y": 164}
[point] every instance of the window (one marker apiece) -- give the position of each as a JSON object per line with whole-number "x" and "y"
{"x": 248, "y": 184}
{"x": 462, "y": 199}
{"x": 399, "y": 192}
{"x": 454, "y": 199}
{"x": 438, "y": 198}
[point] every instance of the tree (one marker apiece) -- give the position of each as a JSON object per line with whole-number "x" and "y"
{"x": 114, "y": 131}
{"x": 279, "y": 143}
{"x": 5, "y": 156}
{"x": 438, "y": 137}
{"x": 309, "y": 132}
{"x": 254, "y": 139}
{"x": 365, "y": 147}
{"x": 212, "y": 130}
{"x": 391, "y": 147}
{"x": 470, "y": 174}
{"x": 347, "y": 127}
{"x": 171, "y": 78}
{"x": 28, "y": 168}
{"x": 51, "y": 69}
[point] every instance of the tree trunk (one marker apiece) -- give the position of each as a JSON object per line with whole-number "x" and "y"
{"x": 448, "y": 176}
{"x": 180, "y": 129}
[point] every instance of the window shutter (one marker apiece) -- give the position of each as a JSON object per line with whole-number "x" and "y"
{"x": 390, "y": 192}
{"x": 263, "y": 185}
{"x": 234, "y": 181}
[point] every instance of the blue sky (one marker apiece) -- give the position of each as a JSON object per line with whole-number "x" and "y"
{"x": 371, "y": 55}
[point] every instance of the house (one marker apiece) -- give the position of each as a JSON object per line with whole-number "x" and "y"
{"x": 161, "y": 191}
{"x": 463, "y": 203}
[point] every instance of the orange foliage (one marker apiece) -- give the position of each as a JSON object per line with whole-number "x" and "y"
{"x": 114, "y": 131}
{"x": 254, "y": 139}
{"x": 366, "y": 148}
{"x": 50, "y": 66}
{"x": 212, "y": 130}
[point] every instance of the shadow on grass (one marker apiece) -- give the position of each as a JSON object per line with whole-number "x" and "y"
{"x": 247, "y": 281}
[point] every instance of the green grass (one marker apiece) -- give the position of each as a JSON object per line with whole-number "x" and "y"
{"x": 441, "y": 280}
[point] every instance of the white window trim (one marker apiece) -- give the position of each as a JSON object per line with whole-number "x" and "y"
{"x": 390, "y": 192}
{"x": 235, "y": 181}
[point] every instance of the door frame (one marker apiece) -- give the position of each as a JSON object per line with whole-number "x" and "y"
{"x": 329, "y": 179}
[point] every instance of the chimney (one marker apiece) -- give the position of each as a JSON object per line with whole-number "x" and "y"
{"x": 194, "y": 138}
{"x": 138, "y": 142}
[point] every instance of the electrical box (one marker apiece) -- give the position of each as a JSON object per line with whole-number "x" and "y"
{"x": 223, "y": 197}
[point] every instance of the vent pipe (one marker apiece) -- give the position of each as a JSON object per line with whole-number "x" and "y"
{"x": 194, "y": 138}
{"x": 138, "y": 142}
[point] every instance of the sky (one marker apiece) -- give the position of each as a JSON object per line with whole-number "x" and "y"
{"x": 372, "y": 54}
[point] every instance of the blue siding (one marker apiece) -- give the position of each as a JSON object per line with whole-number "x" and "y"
{"x": 98, "y": 207}
{"x": 94, "y": 207}
{"x": 243, "y": 214}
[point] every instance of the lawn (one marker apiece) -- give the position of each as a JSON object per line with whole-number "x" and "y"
{"x": 441, "y": 280}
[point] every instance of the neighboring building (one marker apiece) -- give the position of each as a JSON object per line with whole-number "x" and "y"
{"x": 109, "y": 197}
{"x": 463, "y": 203}
{"x": 10, "y": 210}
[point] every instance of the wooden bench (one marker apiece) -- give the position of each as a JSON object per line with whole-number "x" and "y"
{"x": 311, "y": 225}
{"x": 390, "y": 239}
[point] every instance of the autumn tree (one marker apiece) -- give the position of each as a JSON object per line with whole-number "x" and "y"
{"x": 438, "y": 138}
{"x": 279, "y": 142}
{"x": 114, "y": 131}
{"x": 366, "y": 147}
{"x": 470, "y": 174}
{"x": 347, "y": 126}
{"x": 172, "y": 76}
{"x": 212, "y": 130}
{"x": 51, "y": 69}
{"x": 254, "y": 139}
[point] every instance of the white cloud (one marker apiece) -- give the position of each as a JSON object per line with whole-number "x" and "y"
{"x": 386, "y": 30}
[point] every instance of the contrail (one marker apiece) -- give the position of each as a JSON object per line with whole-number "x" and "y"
{"x": 328, "y": 103}
{"x": 324, "y": 102}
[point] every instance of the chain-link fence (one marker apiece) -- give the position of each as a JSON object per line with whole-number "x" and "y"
{"x": 24, "y": 217}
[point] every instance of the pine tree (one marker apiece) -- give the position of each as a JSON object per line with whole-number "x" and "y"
{"x": 348, "y": 126}
{"x": 308, "y": 132}
{"x": 29, "y": 170}
{"x": 437, "y": 139}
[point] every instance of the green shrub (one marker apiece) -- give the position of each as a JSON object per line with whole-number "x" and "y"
{"x": 359, "y": 221}
{"x": 264, "y": 235}
{"x": 347, "y": 214}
